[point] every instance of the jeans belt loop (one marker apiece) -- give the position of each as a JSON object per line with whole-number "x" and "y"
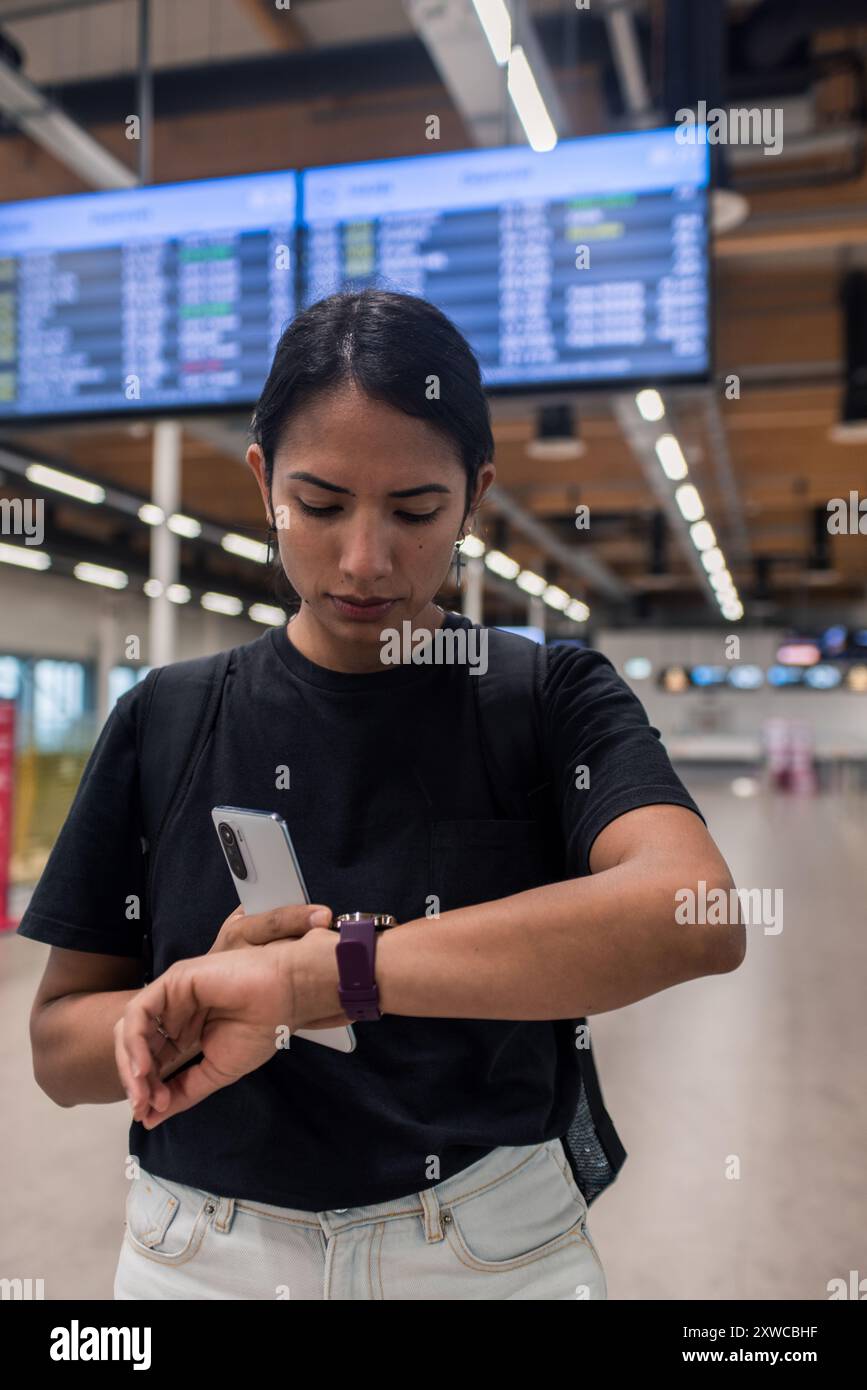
{"x": 225, "y": 1214}
{"x": 433, "y": 1226}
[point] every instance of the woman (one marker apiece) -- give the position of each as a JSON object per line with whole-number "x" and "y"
{"x": 429, "y": 1162}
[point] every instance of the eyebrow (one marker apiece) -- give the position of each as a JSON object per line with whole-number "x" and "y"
{"x": 303, "y": 477}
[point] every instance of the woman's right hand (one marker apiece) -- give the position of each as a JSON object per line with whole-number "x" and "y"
{"x": 235, "y": 1007}
{"x": 257, "y": 929}
{"x": 238, "y": 930}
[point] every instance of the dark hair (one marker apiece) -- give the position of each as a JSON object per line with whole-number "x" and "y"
{"x": 389, "y": 345}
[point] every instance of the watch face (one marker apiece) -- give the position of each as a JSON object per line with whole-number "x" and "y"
{"x": 380, "y": 920}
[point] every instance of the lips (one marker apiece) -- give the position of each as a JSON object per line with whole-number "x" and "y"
{"x": 368, "y": 609}
{"x": 361, "y": 602}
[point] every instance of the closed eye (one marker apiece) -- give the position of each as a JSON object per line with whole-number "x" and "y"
{"x": 414, "y": 518}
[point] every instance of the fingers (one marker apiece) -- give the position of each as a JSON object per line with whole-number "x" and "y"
{"x": 143, "y": 1087}
{"x": 282, "y": 922}
{"x": 141, "y": 1039}
{"x": 186, "y": 1090}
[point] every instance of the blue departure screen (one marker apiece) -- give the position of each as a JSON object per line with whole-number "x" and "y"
{"x": 158, "y": 297}
{"x": 582, "y": 265}
{"x": 588, "y": 263}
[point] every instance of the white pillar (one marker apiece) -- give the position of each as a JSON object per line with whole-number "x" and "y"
{"x": 537, "y": 612}
{"x": 165, "y": 493}
{"x": 474, "y": 598}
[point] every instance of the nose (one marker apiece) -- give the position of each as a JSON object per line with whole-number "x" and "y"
{"x": 365, "y": 553}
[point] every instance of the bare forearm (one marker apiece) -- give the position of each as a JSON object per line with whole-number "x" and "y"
{"x": 73, "y": 1048}
{"x": 568, "y": 950}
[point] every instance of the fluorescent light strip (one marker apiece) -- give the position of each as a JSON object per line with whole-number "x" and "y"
{"x": 100, "y": 574}
{"x": 43, "y": 476}
{"x": 502, "y": 564}
{"x": 175, "y": 593}
{"x": 689, "y": 503}
{"x": 702, "y": 535}
{"x": 473, "y": 547}
{"x": 713, "y": 560}
{"x": 24, "y": 556}
{"x": 266, "y": 613}
{"x": 650, "y": 405}
{"x": 222, "y": 603}
{"x": 151, "y": 514}
{"x": 527, "y": 101}
{"x": 185, "y": 525}
{"x": 245, "y": 546}
{"x": 556, "y": 597}
{"x": 497, "y": 25}
{"x": 531, "y": 582}
{"x": 670, "y": 455}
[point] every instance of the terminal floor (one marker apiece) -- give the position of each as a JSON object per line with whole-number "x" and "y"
{"x": 740, "y": 1098}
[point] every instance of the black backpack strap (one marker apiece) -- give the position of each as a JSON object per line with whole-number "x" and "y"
{"x": 508, "y": 706}
{"x": 180, "y": 703}
{"x": 508, "y": 701}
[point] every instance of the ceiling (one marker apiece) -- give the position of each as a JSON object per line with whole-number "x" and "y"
{"x": 241, "y": 87}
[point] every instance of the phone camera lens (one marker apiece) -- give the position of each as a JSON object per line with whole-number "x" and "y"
{"x": 233, "y": 854}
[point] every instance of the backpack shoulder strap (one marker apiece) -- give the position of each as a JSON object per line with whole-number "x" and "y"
{"x": 508, "y": 704}
{"x": 176, "y": 719}
{"x": 180, "y": 702}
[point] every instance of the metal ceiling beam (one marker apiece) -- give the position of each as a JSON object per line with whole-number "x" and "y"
{"x": 641, "y": 437}
{"x": 279, "y": 27}
{"x": 575, "y": 559}
{"x": 49, "y": 7}
{"x": 65, "y": 141}
{"x": 726, "y": 482}
{"x": 453, "y": 35}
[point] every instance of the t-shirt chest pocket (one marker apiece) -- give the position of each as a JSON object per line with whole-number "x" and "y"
{"x": 474, "y": 861}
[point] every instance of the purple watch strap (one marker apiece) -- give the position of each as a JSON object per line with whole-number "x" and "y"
{"x": 356, "y": 957}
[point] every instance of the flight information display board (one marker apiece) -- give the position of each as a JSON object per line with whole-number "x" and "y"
{"x": 588, "y": 263}
{"x": 163, "y": 297}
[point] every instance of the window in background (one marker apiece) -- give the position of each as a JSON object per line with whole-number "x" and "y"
{"x": 123, "y": 678}
{"x": 59, "y": 704}
{"x": 10, "y": 677}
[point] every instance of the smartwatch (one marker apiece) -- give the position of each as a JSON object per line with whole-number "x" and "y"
{"x": 356, "y": 955}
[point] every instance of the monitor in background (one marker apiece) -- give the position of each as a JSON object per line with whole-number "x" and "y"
{"x": 583, "y": 265}
{"x": 168, "y": 297}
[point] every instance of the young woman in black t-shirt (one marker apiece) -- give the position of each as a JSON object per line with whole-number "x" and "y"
{"x": 373, "y": 453}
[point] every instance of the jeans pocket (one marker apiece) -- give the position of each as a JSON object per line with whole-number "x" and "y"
{"x": 518, "y": 1219}
{"x": 166, "y": 1221}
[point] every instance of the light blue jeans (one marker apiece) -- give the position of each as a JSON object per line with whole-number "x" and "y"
{"x": 512, "y": 1225}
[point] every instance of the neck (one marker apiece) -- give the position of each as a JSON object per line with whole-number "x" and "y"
{"x": 324, "y": 647}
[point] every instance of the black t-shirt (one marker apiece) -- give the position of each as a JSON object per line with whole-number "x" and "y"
{"x": 388, "y": 802}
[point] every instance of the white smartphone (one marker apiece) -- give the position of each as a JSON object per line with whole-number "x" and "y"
{"x": 263, "y": 863}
